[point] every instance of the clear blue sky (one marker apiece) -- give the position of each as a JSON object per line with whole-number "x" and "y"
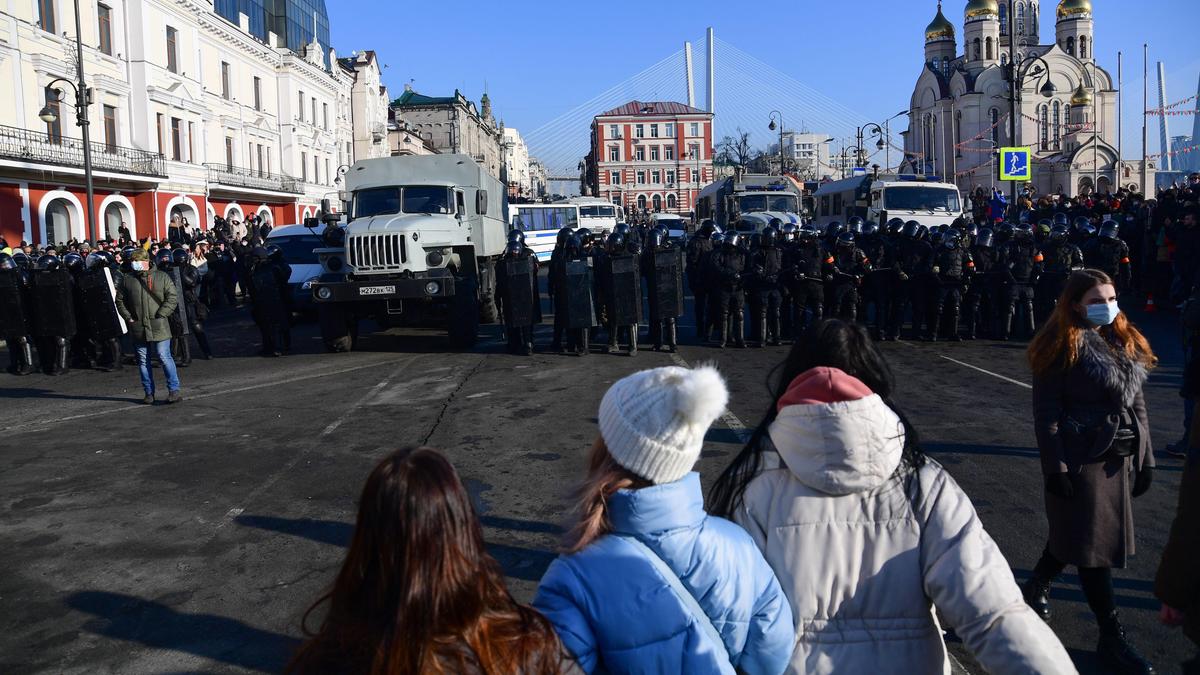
{"x": 539, "y": 59}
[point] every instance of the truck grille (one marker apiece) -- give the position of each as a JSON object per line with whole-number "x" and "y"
{"x": 376, "y": 252}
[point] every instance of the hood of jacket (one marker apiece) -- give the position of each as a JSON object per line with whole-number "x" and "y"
{"x": 1111, "y": 368}
{"x": 835, "y": 435}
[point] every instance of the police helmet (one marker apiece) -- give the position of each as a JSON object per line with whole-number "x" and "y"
{"x": 1045, "y": 222}
{"x": 585, "y": 237}
{"x": 633, "y": 245}
{"x": 707, "y": 229}
{"x": 48, "y": 262}
{"x": 1059, "y": 234}
{"x": 717, "y": 238}
{"x": 788, "y": 233}
{"x": 775, "y": 223}
{"x": 513, "y": 249}
{"x": 1079, "y": 222}
{"x": 951, "y": 238}
{"x": 22, "y": 260}
{"x": 656, "y": 238}
{"x": 1110, "y": 230}
{"x": 1006, "y": 230}
{"x": 756, "y": 241}
{"x": 1061, "y": 219}
{"x": 870, "y": 229}
{"x": 260, "y": 253}
{"x": 616, "y": 242}
{"x": 574, "y": 245}
{"x": 936, "y": 235}
{"x": 744, "y": 242}
{"x": 1087, "y": 230}
{"x": 563, "y": 235}
{"x": 1023, "y": 232}
{"x": 516, "y": 235}
{"x": 985, "y": 238}
{"x": 180, "y": 256}
{"x": 855, "y": 225}
{"x": 95, "y": 259}
{"x": 274, "y": 252}
{"x": 1043, "y": 230}
{"x": 971, "y": 230}
{"x": 895, "y": 226}
{"x": 845, "y": 240}
{"x": 768, "y": 237}
{"x": 806, "y": 233}
{"x": 7, "y": 262}
{"x": 832, "y": 230}
{"x": 732, "y": 239}
{"x": 73, "y": 262}
{"x": 623, "y": 228}
{"x": 162, "y": 259}
{"x": 922, "y": 232}
{"x": 911, "y": 229}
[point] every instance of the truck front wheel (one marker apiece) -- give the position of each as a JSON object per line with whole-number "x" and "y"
{"x": 338, "y": 327}
{"x": 463, "y": 325}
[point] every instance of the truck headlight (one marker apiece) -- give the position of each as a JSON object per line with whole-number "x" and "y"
{"x": 434, "y": 258}
{"x": 432, "y": 288}
{"x": 324, "y": 293}
{"x": 333, "y": 263}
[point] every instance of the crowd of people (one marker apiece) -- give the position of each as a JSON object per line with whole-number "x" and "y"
{"x": 830, "y": 544}
{"x": 102, "y": 305}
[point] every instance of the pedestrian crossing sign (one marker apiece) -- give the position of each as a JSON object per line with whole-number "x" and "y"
{"x": 1015, "y": 164}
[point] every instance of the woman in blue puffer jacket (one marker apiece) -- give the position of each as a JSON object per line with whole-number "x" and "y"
{"x": 650, "y": 583}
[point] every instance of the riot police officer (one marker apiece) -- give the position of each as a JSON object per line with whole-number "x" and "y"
{"x": 805, "y": 277}
{"x": 268, "y": 292}
{"x": 16, "y": 315}
{"x": 911, "y": 261}
{"x": 952, "y": 266}
{"x": 1060, "y": 258}
{"x": 699, "y": 247}
{"x": 875, "y": 287}
{"x": 83, "y": 353}
{"x": 765, "y": 284}
{"x": 1107, "y": 253}
{"x": 96, "y": 295}
{"x": 620, "y": 292}
{"x": 53, "y": 294}
{"x": 662, "y": 266}
{"x": 195, "y": 309}
{"x": 726, "y": 266}
{"x": 574, "y": 294}
{"x": 983, "y": 292}
{"x": 558, "y": 260}
{"x": 516, "y": 286}
{"x": 1020, "y": 265}
{"x": 844, "y": 275}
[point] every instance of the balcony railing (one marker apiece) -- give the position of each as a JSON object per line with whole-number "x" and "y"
{"x": 39, "y": 146}
{"x": 237, "y": 176}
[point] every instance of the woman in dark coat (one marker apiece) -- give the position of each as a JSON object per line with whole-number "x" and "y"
{"x": 1089, "y": 364}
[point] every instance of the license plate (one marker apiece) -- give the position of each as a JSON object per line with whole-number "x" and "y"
{"x": 376, "y": 290}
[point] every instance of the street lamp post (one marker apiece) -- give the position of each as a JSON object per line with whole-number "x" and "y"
{"x": 771, "y": 126}
{"x": 879, "y": 144}
{"x": 83, "y": 99}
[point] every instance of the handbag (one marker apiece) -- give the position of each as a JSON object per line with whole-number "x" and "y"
{"x": 685, "y": 596}
{"x": 1125, "y": 440}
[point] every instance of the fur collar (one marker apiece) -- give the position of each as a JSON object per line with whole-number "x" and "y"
{"x": 1110, "y": 368}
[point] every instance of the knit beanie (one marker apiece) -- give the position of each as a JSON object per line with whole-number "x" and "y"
{"x": 654, "y": 421}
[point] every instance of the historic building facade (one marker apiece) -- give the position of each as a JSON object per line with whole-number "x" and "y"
{"x": 196, "y": 110}
{"x": 368, "y": 105}
{"x": 1066, "y": 109}
{"x": 651, "y": 156}
{"x": 452, "y": 124}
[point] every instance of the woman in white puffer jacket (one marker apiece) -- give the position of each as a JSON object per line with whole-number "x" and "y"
{"x": 866, "y": 534}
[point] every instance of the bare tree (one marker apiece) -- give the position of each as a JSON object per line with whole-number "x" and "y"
{"x": 735, "y": 149}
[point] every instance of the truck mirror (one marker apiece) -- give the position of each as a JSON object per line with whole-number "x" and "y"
{"x": 312, "y": 223}
{"x": 325, "y": 206}
{"x": 481, "y": 202}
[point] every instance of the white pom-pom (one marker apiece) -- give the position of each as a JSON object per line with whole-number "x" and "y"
{"x": 701, "y": 395}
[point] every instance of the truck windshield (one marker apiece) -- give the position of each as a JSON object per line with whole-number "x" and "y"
{"x": 921, "y": 199}
{"x": 427, "y": 199}
{"x": 753, "y": 203}
{"x": 597, "y": 211}
{"x": 376, "y": 201}
{"x": 785, "y": 203}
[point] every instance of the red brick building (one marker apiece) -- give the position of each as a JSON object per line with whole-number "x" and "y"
{"x": 651, "y": 156}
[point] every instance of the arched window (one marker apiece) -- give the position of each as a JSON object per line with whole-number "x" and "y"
{"x": 1083, "y": 46}
{"x": 1004, "y": 18}
{"x": 641, "y": 202}
{"x": 671, "y": 202}
{"x": 1071, "y": 45}
{"x": 1044, "y": 127}
{"x": 657, "y": 201}
{"x": 977, "y": 49}
{"x": 988, "y": 44}
{"x": 1057, "y": 126}
{"x": 994, "y": 120}
{"x": 1020, "y": 18}
{"x": 957, "y": 133}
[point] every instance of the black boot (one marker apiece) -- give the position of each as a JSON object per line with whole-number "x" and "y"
{"x": 739, "y": 330}
{"x": 613, "y": 347}
{"x": 670, "y": 339}
{"x": 952, "y": 322}
{"x": 1037, "y": 595}
{"x": 762, "y": 331}
{"x": 1114, "y": 650}
{"x": 775, "y": 330}
{"x": 1006, "y": 322}
{"x": 724, "y": 332}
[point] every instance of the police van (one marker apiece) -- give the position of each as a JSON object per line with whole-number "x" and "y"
{"x": 924, "y": 199}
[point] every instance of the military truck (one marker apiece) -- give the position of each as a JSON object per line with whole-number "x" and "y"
{"x": 418, "y": 248}
{"x": 750, "y": 202}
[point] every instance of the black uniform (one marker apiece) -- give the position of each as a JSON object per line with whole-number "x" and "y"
{"x": 804, "y": 275}
{"x": 95, "y": 288}
{"x": 197, "y": 311}
{"x": 662, "y": 265}
{"x": 53, "y": 294}
{"x": 1020, "y": 266}
{"x": 1060, "y": 258}
{"x": 911, "y": 264}
{"x": 571, "y": 273}
{"x": 983, "y": 294}
{"x": 952, "y": 266}
{"x": 844, "y": 275}
{"x": 516, "y": 287}
{"x": 621, "y": 296}
{"x": 877, "y": 283}
{"x": 16, "y": 318}
{"x": 1110, "y": 256}
{"x": 699, "y": 248}
{"x": 269, "y": 292}
{"x": 723, "y": 283}
{"x": 766, "y": 292}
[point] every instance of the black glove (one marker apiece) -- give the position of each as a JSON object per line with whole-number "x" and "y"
{"x": 1059, "y": 484}
{"x": 1141, "y": 481}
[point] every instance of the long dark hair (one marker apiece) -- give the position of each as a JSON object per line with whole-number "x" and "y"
{"x": 418, "y": 593}
{"x": 830, "y": 343}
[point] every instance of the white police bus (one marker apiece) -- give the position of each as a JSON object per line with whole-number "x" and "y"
{"x": 541, "y": 223}
{"x": 924, "y": 199}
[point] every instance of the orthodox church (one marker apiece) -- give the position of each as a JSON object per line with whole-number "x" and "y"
{"x": 1066, "y": 108}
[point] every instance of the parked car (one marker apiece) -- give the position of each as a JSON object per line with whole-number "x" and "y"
{"x": 297, "y": 243}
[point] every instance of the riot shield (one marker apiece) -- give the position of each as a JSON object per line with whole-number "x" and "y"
{"x": 625, "y": 290}
{"x": 518, "y": 289}
{"x": 666, "y": 294}
{"x": 53, "y": 303}
{"x": 268, "y": 303}
{"x": 97, "y": 295}
{"x": 581, "y": 312}
{"x": 14, "y": 305}
{"x": 179, "y": 318}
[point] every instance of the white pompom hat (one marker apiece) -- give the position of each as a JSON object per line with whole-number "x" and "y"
{"x": 654, "y": 421}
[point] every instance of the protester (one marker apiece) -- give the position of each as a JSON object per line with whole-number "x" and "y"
{"x": 867, "y": 534}
{"x": 145, "y": 299}
{"x": 648, "y": 581}
{"x": 1089, "y": 365}
{"x": 418, "y": 592}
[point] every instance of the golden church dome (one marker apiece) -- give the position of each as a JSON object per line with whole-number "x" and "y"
{"x": 939, "y": 28}
{"x": 976, "y": 8}
{"x": 1071, "y": 8}
{"x": 1081, "y": 96}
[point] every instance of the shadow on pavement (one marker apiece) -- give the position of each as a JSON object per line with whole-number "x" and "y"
{"x": 30, "y": 392}
{"x": 994, "y": 450}
{"x": 518, "y": 562}
{"x": 153, "y": 624}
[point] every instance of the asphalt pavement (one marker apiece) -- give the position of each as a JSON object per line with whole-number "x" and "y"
{"x": 193, "y": 537}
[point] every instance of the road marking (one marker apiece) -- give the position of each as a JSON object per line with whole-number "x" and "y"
{"x": 987, "y": 372}
{"x": 129, "y": 407}
{"x": 728, "y": 418}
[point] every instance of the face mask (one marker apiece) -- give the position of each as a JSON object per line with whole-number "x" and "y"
{"x": 140, "y": 265}
{"x": 1103, "y": 315}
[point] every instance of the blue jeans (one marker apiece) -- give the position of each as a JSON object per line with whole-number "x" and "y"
{"x": 163, "y": 349}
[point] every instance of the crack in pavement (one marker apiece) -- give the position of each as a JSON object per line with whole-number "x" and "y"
{"x": 437, "y": 422}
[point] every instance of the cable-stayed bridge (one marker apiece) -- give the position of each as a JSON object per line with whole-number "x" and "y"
{"x": 744, "y": 91}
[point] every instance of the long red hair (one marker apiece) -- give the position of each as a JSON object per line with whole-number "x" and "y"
{"x": 604, "y": 478}
{"x": 1055, "y": 348}
{"x": 418, "y": 593}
